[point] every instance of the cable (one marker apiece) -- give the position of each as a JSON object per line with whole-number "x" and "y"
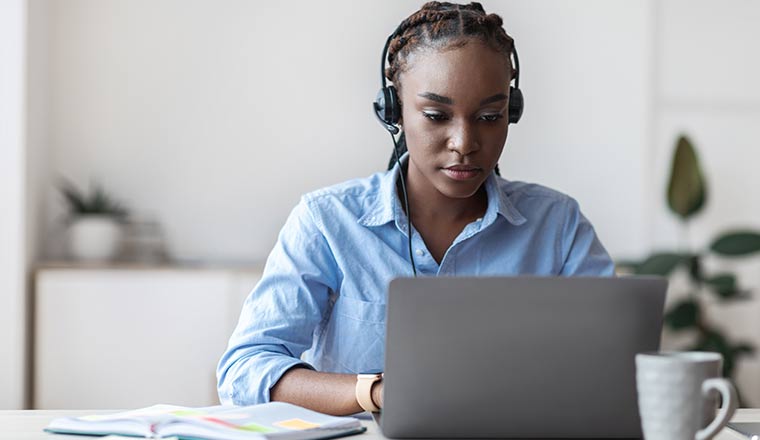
{"x": 406, "y": 205}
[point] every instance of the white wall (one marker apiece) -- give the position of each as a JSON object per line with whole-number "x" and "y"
{"x": 38, "y": 164}
{"x": 215, "y": 116}
{"x": 13, "y": 372}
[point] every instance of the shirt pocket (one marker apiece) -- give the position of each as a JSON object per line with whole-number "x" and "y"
{"x": 360, "y": 310}
{"x": 355, "y": 340}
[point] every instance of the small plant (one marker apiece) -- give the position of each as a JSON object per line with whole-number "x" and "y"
{"x": 687, "y": 195}
{"x": 97, "y": 203}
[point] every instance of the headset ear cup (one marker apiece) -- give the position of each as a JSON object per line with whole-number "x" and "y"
{"x": 515, "y": 105}
{"x": 380, "y": 105}
{"x": 393, "y": 106}
{"x": 387, "y": 105}
{"x": 387, "y": 109}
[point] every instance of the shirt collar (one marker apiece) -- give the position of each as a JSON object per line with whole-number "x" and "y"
{"x": 386, "y": 207}
{"x": 499, "y": 203}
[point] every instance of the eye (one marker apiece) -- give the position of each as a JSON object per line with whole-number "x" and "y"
{"x": 492, "y": 118}
{"x": 435, "y": 117}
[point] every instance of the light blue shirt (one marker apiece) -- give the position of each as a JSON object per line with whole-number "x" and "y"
{"x": 321, "y": 300}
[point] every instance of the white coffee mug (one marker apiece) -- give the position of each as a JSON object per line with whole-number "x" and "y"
{"x": 677, "y": 398}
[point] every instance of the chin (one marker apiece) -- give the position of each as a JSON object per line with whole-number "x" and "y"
{"x": 459, "y": 190}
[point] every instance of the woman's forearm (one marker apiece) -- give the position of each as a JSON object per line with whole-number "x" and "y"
{"x": 329, "y": 393}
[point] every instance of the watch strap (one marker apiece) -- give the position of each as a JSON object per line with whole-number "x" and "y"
{"x": 364, "y": 384}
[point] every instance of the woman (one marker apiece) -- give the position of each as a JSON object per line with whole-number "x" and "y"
{"x": 316, "y": 318}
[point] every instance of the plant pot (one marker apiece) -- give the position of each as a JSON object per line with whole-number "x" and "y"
{"x": 94, "y": 238}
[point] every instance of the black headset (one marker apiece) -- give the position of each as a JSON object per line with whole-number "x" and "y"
{"x": 387, "y": 106}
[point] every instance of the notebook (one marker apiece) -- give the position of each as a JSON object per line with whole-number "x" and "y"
{"x": 275, "y": 421}
{"x": 749, "y": 431}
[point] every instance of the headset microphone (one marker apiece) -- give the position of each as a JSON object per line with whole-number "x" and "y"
{"x": 378, "y": 109}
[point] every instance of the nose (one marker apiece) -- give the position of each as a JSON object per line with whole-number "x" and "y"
{"x": 463, "y": 139}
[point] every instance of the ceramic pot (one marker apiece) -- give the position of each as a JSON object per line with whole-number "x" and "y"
{"x": 94, "y": 238}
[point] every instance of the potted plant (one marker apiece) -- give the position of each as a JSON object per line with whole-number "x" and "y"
{"x": 687, "y": 196}
{"x": 95, "y": 223}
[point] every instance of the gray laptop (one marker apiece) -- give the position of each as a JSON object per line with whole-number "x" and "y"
{"x": 520, "y": 357}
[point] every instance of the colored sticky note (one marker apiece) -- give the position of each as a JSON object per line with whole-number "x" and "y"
{"x": 296, "y": 424}
{"x": 186, "y": 412}
{"x": 256, "y": 428}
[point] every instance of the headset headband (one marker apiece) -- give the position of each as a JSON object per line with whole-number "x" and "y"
{"x": 513, "y": 54}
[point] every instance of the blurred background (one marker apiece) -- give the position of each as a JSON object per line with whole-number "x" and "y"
{"x": 202, "y": 122}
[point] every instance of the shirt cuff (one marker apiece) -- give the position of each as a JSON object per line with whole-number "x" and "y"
{"x": 256, "y": 378}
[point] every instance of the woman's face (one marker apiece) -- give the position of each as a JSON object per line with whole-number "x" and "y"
{"x": 455, "y": 117}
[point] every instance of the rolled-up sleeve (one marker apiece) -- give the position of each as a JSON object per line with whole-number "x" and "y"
{"x": 582, "y": 251}
{"x": 280, "y": 315}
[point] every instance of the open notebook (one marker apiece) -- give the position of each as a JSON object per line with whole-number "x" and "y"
{"x": 275, "y": 420}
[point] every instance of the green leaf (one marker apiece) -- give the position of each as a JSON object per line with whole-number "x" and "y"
{"x": 737, "y": 243}
{"x": 74, "y": 199}
{"x": 684, "y": 315}
{"x": 695, "y": 268}
{"x": 724, "y": 285}
{"x": 627, "y": 264}
{"x": 743, "y": 349}
{"x": 733, "y": 352}
{"x": 99, "y": 202}
{"x": 687, "y": 191}
{"x": 660, "y": 264}
{"x": 712, "y": 340}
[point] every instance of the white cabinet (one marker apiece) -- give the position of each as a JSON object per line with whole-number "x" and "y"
{"x": 130, "y": 337}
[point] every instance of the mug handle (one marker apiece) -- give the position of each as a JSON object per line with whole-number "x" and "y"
{"x": 730, "y": 401}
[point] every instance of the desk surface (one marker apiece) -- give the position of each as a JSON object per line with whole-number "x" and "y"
{"x": 28, "y": 425}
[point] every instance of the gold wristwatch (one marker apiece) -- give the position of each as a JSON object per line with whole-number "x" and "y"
{"x": 364, "y": 384}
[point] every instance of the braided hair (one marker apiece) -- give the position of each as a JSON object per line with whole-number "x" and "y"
{"x": 441, "y": 25}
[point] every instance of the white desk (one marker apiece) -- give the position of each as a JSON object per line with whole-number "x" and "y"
{"x": 28, "y": 425}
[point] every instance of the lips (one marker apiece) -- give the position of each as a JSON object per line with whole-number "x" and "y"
{"x": 461, "y": 168}
{"x": 462, "y": 172}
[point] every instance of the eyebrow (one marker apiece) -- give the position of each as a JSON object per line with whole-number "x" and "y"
{"x": 494, "y": 98}
{"x": 448, "y": 101}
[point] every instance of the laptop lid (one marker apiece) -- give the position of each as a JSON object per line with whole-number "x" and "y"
{"x": 520, "y": 357}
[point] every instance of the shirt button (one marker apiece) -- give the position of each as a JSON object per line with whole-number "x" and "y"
{"x": 479, "y": 219}
{"x": 420, "y": 252}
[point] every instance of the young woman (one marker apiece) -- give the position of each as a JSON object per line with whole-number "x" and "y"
{"x": 316, "y": 318}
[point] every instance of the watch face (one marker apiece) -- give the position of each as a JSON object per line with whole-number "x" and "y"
{"x": 369, "y": 375}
